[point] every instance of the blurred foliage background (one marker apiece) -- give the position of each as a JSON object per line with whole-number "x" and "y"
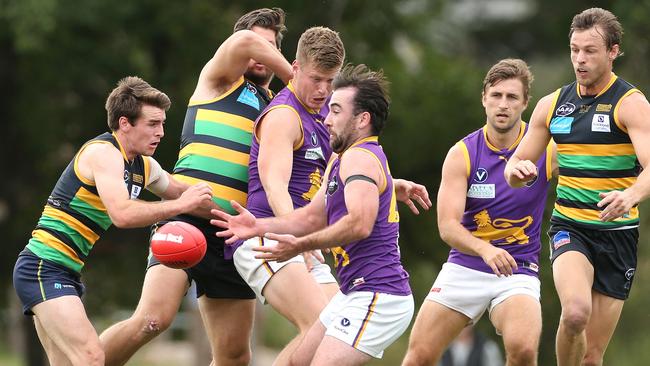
{"x": 60, "y": 59}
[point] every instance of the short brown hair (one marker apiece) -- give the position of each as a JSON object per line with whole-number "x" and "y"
{"x": 371, "y": 92}
{"x": 510, "y": 68}
{"x": 321, "y": 47}
{"x": 603, "y": 19}
{"x": 272, "y": 19}
{"x": 128, "y": 97}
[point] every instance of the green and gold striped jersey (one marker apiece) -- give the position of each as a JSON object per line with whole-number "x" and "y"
{"x": 74, "y": 217}
{"x": 595, "y": 153}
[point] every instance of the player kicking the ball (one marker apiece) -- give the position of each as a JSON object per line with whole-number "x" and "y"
{"x": 355, "y": 208}
{"x": 99, "y": 187}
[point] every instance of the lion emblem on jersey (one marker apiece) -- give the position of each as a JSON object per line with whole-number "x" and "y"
{"x": 512, "y": 231}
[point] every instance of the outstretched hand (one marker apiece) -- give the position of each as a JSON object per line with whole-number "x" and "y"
{"x": 286, "y": 248}
{"x": 239, "y": 227}
{"x": 407, "y": 191}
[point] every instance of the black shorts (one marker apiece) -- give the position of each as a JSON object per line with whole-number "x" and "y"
{"x": 612, "y": 253}
{"x": 215, "y": 277}
{"x": 37, "y": 280}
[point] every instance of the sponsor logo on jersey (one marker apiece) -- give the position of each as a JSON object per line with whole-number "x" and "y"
{"x": 565, "y": 109}
{"x": 603, "y": 108}
{"x": 314, "y": 139}
{"x": 137, "y": 178}
{"x": 135, "y": 191}
{"x": 315, "y": 153}
{"x": 247, "y": 96}
{"x": 482, "y": 191}
{"x": 584, "y": 108}
{"x": 561, "y": 125}
{"x": 332, "y": 186}
{"x": 481, "y": 175}
{"x": 600, "y": 123}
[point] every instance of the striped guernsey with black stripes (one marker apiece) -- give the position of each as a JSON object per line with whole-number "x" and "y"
{"x": 595, "y": 153}
{"x": 74, "y": 217}
{"x": 216, "y": 142}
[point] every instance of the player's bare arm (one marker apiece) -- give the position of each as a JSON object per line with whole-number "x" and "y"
{"x": 451, "y": 206}
{"x": 521, "y": 167}
{"x": 278, "y": 133}
{"x": 103, "y": 164}
{"x": 634, "y": 114}
{"x": 361, "y": 201}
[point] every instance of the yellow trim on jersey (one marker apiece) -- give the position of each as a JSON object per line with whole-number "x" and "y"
{"x": 231, "y": 156}
{"x": 604, "y": 184}
{"x": 381, "y": 166}
{"x": 293, "y": 91}
{"x": 224, "y": 118}
{"x": 586, "y": 214}
{"x": 221, "y": 191}
{"x": 596, "y": 149}
{"x": 463, "y": 148}
{"x": 549, "y": 161}
{"x": 302, "y": 130}
{"x": 121, "y": 148}
{"x": 52, "y": 242}
{"x": 522, "y": 128}
{"x": 147, "y": 169}
{"x": 73, "y": 223}
{"x": 83, "y": 179}
{"x": 549, "y": 115}
{"x": 609, "y": 85}
{"x": 618, "y": 123}
{"x": 90, "y": 198}
{"x": 238, "y": 83}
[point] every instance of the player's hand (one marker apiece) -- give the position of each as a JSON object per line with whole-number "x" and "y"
{"x": 407, "y": 191}
{"x": 239, "y": 227}
{"x": 616, "y": 204}
{"x": 195, "y": 196}
{"x": 286, "y": 248}
{"x": 313, "y": 257}
{"x": 501, "y": 262}
{"x": 523, "y": 171}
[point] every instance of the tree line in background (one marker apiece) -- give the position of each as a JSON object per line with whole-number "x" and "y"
{"x": 59, "y": 59}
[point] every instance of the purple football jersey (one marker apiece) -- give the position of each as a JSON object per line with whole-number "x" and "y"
{"x": 310, "y": 158}
{"x": 373, "y": 263}
{"x": 509, "y": 218}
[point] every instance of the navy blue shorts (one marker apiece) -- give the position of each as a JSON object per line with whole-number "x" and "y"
{"x": 215, "y": 276}
{"x": 612, "y": 253}
{"x": 37, "y": 280}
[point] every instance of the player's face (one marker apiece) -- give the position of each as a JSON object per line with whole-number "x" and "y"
{"x": 504, "y": 103}
{"x": 341, "y": 122}
{"x": 256, "y": 72}
{"x": 144, "y": 136}
{"x": 312, "y": 85}
{"x": 592, "y": 62}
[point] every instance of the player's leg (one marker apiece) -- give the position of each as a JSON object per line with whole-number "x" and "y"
{"x": 322, "y": 274}
{"x": 458, "y": 297}
{"x": 604, "y": 317}
{"x": 360, "y": 326}
{"x": 54, "y": 355}
{"x": 162, "y": 292}
{"x": 519, "y": 320}
{"x": 64, "y": 321}
{"x": 294, "y": 294}
{"x": 229, "y": 325}
{"x": 573, "y": 277}
{"x": 436, "y": 326}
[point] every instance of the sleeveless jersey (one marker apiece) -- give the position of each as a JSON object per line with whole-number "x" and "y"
{"x": 216, "y": 140}
{"x": 505, "y": 217}
{"x": 373, "y": 263}
{"x": 310, "y": 158}
{"x": 74, "y": 217}
{"x": 595, "y": 153}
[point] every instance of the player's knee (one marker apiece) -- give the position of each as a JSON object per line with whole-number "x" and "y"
{"x": 90, "y": 354}
{"x": 575, "y": 317}
{"x": 237, "y": 356}
{"x": 152, "y": 324}
{"x": 522, "y": 353}
{"x": 416, "y": 356}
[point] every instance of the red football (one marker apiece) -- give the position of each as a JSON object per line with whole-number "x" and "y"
{"x": 178, "y": 244}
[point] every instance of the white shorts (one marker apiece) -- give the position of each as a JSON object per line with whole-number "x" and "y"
{"x": 470, "y": 292}
{"x": 367, "y": 321}
{"x": 258, "y": 272}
